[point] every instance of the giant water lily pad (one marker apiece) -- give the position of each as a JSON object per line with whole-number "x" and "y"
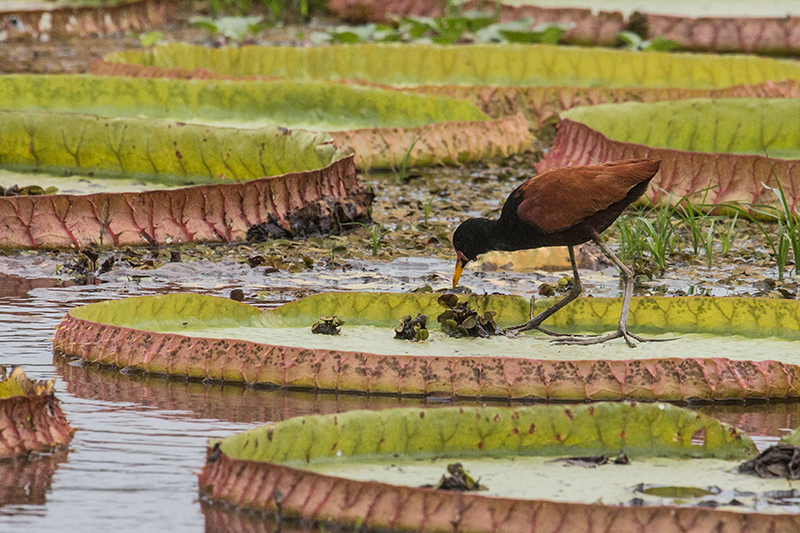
{"x": 31, "y": 420}
{"x": 730, "y": 348}
{"x": 154, "y": 151}
{"x": 367, "y": 467}
{"x": 507, "y": 64}
{"x": 382, "y": 125}
{"x": 145, "y": 155}
{"x": 732, "y": 148}
{"x": 538, "y": 80}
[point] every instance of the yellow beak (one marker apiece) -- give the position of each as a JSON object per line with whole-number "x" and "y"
{"x": 457, "y": 274}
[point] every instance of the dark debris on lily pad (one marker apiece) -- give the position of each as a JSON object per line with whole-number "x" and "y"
{"x": 328, "y": 325}
{"x": 460, "y": 320}
{"x": 780, "y": 461}
{"x": 412, "y": 329}
{"x": 458, "y": 480}
{"x": 30, "y": 190}
{"x": 592, "y": 461}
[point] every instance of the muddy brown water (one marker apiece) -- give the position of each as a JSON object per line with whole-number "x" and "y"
{"x": 141, "y": 440}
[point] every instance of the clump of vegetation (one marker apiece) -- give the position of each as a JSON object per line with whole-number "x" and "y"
{"x": 30, "y": 190}
{"x": 632, "y": 41}
{"x": 412, "y": 329}
{"x": 690, "y": 230}
{"x": 377, "y": 232}
{"x": 458, "y": 480}
{"x": 467, "y": 27}
{"x": 459, "y": 320}
{"x": 328, "y": 325}
{"x": 231, "y": 30}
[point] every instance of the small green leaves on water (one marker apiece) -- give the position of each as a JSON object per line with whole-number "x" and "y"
{"x": 412, "y": 329}
{"x": 30, "y": 190}
{"x": 461, "y": 321}
{"x": 458, "y": 480}
{"x": 327, "y": 325}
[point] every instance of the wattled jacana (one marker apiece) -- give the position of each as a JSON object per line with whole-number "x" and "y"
{"x": 562, "y": 207}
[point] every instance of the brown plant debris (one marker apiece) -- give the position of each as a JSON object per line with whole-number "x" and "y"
{"x": 593, "y": 461}
{"x": 590, "y": 461}
{"x": 328, "y": 325}
{"x": 458, "y": 480}
{"x": 782, "y": 460}
{"x": 412, "y": 329}
{"x": 237, "y": 295}
{"x": 459, "y": 320}
{"x": 315, "y": 219}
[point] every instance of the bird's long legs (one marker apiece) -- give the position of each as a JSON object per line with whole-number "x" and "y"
{"x": 627, "y": 293}
{"x": 576, "y": 290}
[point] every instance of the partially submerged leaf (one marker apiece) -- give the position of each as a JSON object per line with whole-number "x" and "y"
{"x": 17, "y": 384}
{"x": 32, "y": 420}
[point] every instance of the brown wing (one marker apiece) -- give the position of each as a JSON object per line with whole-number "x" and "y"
{"x": 560, "y": 198}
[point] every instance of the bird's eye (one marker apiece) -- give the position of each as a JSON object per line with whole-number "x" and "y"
{"x": 14, "y": 21}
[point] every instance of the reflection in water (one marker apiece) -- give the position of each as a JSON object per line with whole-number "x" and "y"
{"x": 764, "y": 421}
{"x": 15, "y": 286}
{"x": 231, "y": 402}
{"x": 27, "y": 481}
{"x": 221, "y": 519}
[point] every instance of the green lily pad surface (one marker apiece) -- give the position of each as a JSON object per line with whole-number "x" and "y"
{"x": 370, "y": 466}
{"x": 641, "y": 430}
{"x": 507, "y": 64}
{"x": 381, "y": 125}
{"x": 728, "y": 347}
{"x": 729, "y": 125}
{"x": 317, "y": 106}
{"x": 160, "y": 151}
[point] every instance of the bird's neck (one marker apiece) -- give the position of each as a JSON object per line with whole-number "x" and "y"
{"x": 496, "y": 237}
{"x": 500, "y": 237}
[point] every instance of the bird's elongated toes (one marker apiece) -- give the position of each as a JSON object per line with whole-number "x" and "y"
{"x": 587, "y": 341}
{"x": 620, "y": 333}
